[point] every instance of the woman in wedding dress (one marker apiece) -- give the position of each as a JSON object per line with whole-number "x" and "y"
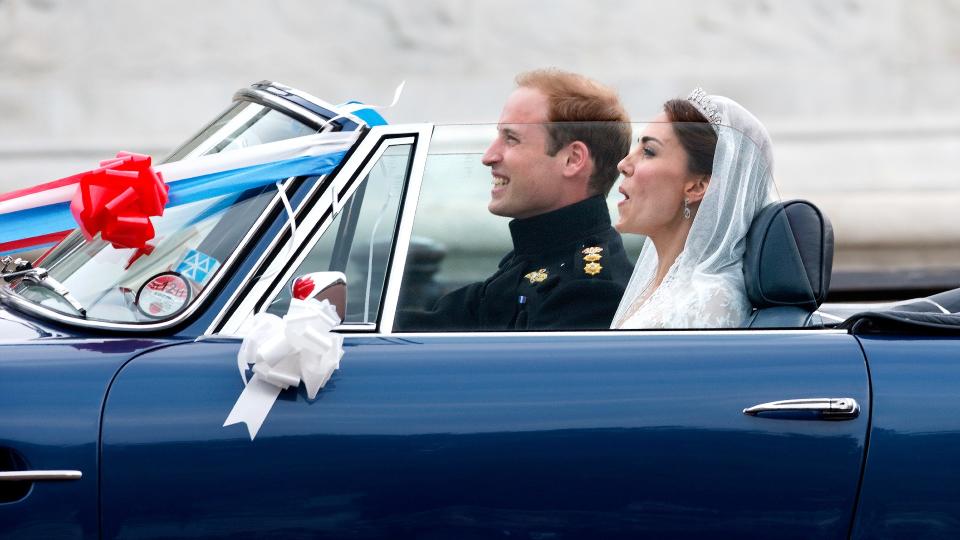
{"x": 700, "y": 173}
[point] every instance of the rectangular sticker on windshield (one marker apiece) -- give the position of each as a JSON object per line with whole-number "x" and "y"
{"x": 197, "y": 267}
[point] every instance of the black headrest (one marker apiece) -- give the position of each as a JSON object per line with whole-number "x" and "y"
{"x": 789, "y": 256}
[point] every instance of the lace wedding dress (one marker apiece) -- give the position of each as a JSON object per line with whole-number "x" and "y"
{"x": 715, "y": 301}
{"x": 704, "y": 287}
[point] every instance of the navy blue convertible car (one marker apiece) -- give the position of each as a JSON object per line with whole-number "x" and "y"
{"x": 116, "y": 377}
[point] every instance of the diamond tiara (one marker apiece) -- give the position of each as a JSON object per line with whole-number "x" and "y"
{"x": 707, "y": 108}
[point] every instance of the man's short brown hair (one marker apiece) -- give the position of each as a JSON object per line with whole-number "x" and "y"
{"x": 581, "y": 109}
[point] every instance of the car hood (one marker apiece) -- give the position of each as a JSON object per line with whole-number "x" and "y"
{"x": 17, "y": 329}
{"x": 22, "y": 333}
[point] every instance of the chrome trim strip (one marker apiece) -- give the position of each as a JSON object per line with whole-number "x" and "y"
{"x": 402, "y": 242}
{"x": 34, "y": 476}
{"x": 609, "y": 333}
{"x": 282, "y": 105}
{"x": 347, "y": 329}
{"x": 239, "y": 309}
{"x": 828, "y": 316}
{"x": 252, "y": 109}
{"x": 364, "y": 328}
{"x": 351, "y": 328}
{"x": 8, "y": 296}
{"x": 314, "y": 99}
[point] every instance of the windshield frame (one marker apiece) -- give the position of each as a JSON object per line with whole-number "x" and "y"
{"x": 316, "y": 214}
{"x": 262, "y": 94}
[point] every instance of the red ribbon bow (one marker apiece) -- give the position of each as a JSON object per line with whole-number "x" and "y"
{"x": 117, "y": 201}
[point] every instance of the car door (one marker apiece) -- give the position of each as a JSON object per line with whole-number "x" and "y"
{"x": 170, "y": 468}
{"x": 911, "y": 481}
{"x": 476, "y": 435}
{"x": 573, "y": 436}
{"x": 52, "y": 388}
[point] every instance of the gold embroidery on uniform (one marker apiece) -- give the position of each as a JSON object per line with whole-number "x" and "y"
{"x": 537, "y": 276}
{"x": 591, "y": 256}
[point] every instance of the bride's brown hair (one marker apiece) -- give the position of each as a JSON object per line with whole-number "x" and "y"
{"x": 696, "y": 135}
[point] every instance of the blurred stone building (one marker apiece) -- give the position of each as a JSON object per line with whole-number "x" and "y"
{"x": 860, "y": 96}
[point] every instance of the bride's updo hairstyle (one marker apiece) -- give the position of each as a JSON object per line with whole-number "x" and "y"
{"x": 695, "y": 133}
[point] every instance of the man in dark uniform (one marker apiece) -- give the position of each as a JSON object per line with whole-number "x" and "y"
{"x": 560, "y": 137}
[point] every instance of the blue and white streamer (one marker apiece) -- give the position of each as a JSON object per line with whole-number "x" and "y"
{"x": 45, "y": 212}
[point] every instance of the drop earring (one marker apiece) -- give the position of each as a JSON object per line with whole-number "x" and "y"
{"x": 686, "y": 208}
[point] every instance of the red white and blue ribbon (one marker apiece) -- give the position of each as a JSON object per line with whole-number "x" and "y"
{"x": 41, "y": 215}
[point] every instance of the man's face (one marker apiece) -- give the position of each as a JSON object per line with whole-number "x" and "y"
{"x": 526, "y": 181}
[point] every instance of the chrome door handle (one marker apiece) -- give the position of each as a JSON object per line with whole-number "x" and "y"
{"x": 817, "y": 408}
{"x": 33, "y": 476}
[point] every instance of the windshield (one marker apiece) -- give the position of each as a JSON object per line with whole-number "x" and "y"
{"x": 192, "y": 240}
{"x": 242, "y": 125}
{"x": 191, "y": 243}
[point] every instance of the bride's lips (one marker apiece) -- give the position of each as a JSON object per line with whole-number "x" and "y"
{"x": 625, "y": 197}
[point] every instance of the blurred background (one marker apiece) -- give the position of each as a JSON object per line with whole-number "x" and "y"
{"x": 860, "y": 96}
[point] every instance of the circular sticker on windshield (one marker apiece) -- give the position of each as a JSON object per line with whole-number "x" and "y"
{"x": 165, "y": 294}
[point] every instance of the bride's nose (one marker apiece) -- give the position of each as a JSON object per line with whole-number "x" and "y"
{"x": 625, "y": 167}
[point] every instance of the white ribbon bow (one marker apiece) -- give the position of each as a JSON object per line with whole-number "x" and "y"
{"x": 298, "y": 347}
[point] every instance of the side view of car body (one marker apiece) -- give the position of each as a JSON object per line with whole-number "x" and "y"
{"x": 112, "y": 424}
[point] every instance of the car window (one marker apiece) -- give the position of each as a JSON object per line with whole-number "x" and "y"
{"x": 456, "y": 241}
{"x": 359, "y": 240}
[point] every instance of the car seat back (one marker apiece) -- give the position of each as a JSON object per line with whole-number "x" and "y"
{"x": 787, "y": 264}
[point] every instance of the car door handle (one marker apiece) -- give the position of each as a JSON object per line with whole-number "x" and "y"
{"x": 807, "y": 409}
{"x": 34, "y": 476}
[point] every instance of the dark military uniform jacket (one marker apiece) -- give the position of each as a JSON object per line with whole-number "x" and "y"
{"x": 567, "y": 270}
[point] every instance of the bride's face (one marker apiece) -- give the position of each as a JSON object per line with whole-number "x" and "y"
{"x": 655, "y": 180}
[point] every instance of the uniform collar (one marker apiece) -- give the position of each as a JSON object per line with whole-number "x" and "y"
{"x": 553, "y": 230}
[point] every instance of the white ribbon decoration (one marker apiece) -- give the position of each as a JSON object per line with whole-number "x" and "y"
{"x": 298, "y": 347}
{"x": 349, "y": 108}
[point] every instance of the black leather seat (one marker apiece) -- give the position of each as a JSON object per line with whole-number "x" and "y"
{"x": 787, "y": 264}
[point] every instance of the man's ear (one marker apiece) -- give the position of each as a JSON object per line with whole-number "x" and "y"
{"x": 576, "y": 159}
{"x": 696, "y": 188}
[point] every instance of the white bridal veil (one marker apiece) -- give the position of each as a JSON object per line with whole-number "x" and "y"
{"x": 704, "y": 288}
